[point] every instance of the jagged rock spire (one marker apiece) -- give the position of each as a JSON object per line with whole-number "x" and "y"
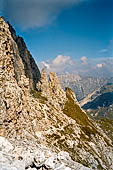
{"x": 43, "y": 84}
{"x": 3, "y": 25}
{"x": 10, "y": 60}
{"x": 23, "y": 62}
{"x": 27, "y": 118}
{"x": 54, "y": 83}
{"x": 49, "y": 85}
{"x": 50, "y": 88}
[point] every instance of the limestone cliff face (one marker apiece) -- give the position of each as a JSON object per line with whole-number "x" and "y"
{"x": 30, "y": 68}
{"x": 51, "y": 89}
{"x": 48, "y": 116}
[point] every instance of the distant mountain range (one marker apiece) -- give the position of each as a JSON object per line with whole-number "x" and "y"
{"x": 99, "y": 105}
{"x": 100, "y": 102}
{"x": 95, "y": 95}
{"x": 82, "y": 86}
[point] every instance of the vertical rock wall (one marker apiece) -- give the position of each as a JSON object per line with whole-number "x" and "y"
{"x": 30, "y": 67}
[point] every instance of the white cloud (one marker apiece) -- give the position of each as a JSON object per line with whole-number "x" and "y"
{"x": 99, "y": 65}
{"x": 61, "y": 60}
{"x": 45, "y": 65}
{"x": 84, "y": 59}
{"x": 34, "y": 13}
{"x": 60, "y": 64}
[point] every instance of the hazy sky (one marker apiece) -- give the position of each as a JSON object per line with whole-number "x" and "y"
{"x": 65, "y": 35}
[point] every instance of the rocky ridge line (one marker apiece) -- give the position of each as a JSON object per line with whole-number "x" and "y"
{"x": 30, "y": 70}
{"x": 52, "y": 119}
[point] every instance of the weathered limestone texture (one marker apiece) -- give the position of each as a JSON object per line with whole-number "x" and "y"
{"x": 45, "y": 128}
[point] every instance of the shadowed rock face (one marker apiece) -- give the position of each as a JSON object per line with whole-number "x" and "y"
{"x": 30, "y": 68}
{"x": 100, "y": 102}
{"x": 32, "y": 119}
{"x": 104, "y": 100}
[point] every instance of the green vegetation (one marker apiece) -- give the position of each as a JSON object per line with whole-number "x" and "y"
{"x": 74, "y": 111}
{"x": 54, "y": 136}
{"x": 107, "y": 126}
{"x": 69, "y": 129}
{"x": 103, "y": 113}
{"x": 59, "y": 139}
{"x": 38, "y": 95}
{"x": 107, "y": 88}
{"x": 88, "y": 130}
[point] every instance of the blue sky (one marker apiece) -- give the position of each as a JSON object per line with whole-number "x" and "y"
{"x": 76, "y": 29}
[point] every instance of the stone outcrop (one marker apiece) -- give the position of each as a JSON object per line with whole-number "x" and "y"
{"x": 50, "y": 87}
{"x": 34, "y": 157}
{"x": 43, "y": 84}
{"x": 30, "y": 68}
{"x": 47, "y": 117}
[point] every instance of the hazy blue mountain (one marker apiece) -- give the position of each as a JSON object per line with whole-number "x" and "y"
{"x": 82, "y": 86}
{"x": 100, "y": 103}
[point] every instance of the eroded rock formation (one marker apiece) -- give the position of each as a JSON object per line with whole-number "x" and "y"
{"x": 31, "y": 70}
{"x": 48, "y": 116}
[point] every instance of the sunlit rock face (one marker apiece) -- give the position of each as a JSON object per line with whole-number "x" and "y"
{"x": 50, "y": 87}
{"x": 30, "y": 68}
{"x": 45, "y": 128}
{"x": 34, "y": 157}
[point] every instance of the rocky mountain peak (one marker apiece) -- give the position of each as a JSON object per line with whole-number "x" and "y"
{"x": 12, "y": 31}
{"x": 45, "y": 127}
{"x": 50, "y": 87}
{"x": 49, "y": 83}
{"x": 54, "y": 83}
{"x": 71, "y": 93}
{"x": 23, "y": 61}
{"x": 43, "y": 84}
{"x": 3, "y": 25}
